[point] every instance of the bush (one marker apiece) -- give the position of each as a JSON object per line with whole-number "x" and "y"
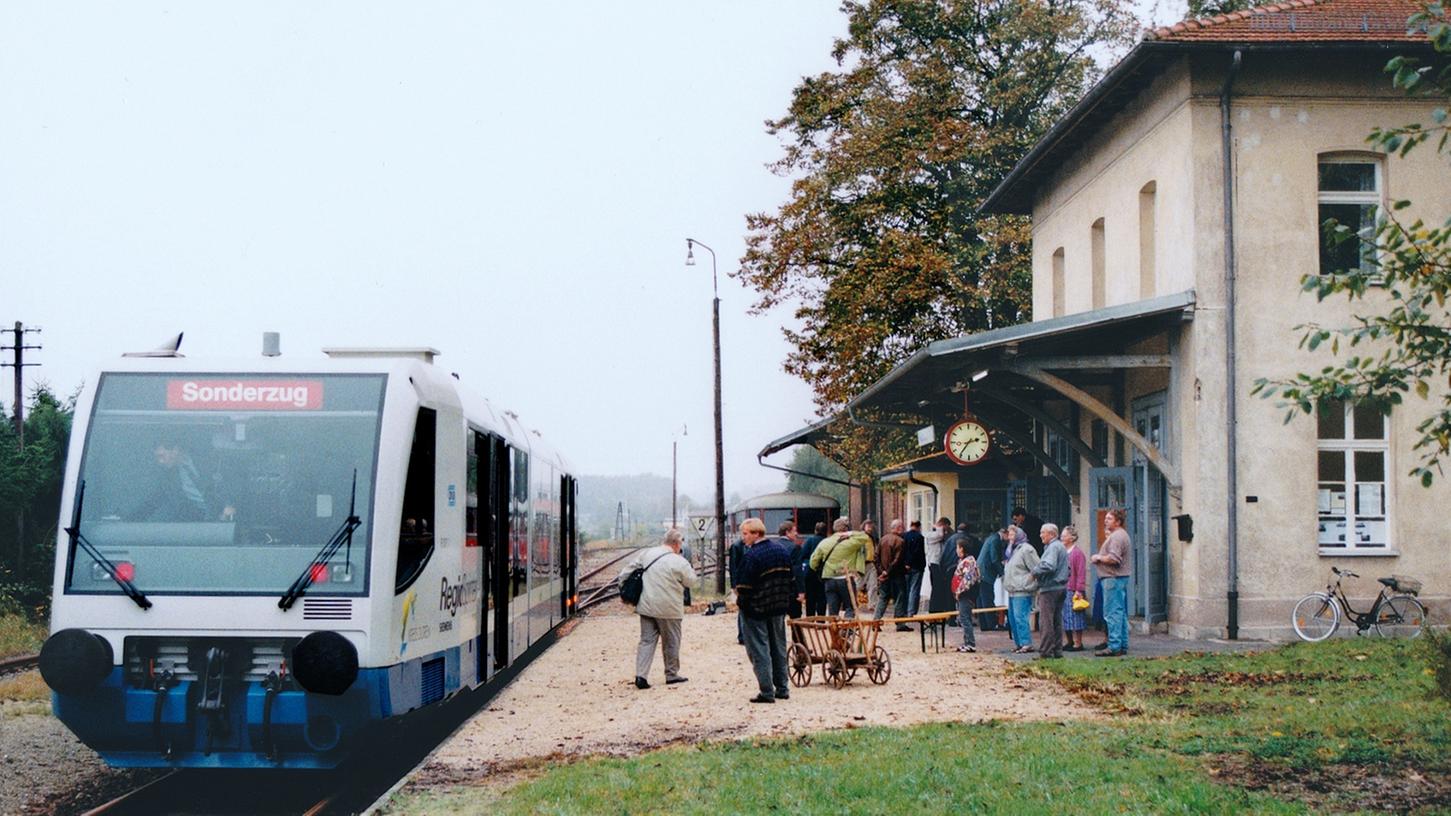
{"x": 23, "y": 599}
{"x": 1437, "y": 648}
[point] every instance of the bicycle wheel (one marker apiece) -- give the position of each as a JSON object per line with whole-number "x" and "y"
{"x": 1316, "y": 617}
{"x": 1400, "y": 616}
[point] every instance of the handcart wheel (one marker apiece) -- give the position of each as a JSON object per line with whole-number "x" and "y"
{"x": 880, "y": 671}
{"x": 835, "y": 669}
{"x": 800, "y": 662}
{"x": 851, "y": 673}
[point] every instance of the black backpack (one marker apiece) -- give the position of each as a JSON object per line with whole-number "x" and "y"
{"x": 634, "y": 584}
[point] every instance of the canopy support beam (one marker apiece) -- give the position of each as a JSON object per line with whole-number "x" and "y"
{"x": 1103, "y": 412}
{"x": 1071, "y": 437}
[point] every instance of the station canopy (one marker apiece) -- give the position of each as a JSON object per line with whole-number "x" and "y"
{"x": 1012, "y": 372}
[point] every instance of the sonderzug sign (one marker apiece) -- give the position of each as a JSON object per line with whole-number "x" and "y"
{"x": 249, "y": 395}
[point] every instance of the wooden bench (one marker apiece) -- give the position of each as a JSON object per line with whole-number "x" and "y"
{"x": 936, "y": 622}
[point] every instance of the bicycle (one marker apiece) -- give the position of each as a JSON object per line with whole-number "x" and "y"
{"x": 1398, "y": 613}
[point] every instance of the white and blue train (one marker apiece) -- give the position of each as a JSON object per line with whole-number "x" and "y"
{"x": 263, "y": 560}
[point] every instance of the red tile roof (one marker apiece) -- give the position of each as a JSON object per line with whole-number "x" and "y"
{"x": 1301, "y": 21}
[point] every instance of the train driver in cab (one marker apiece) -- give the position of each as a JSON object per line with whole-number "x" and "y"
{"x": 179, "y": 492}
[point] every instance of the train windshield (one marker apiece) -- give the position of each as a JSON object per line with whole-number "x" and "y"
{"x": 218, "y": 484}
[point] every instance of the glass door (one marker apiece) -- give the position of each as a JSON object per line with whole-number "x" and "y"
{"x": 1150, "y": 583}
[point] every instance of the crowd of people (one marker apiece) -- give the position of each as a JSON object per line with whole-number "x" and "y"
{"x": 905, "y": 570}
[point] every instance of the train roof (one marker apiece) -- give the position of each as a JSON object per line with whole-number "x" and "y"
{"x": 786, "y": 499}
{"x": 414, "y": 363}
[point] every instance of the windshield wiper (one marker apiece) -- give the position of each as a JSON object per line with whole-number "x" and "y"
{"x": 74, "y": 531}
{"x": 344, "y": 535}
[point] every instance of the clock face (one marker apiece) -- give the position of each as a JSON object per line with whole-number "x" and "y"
{"x": 967, "y": 442}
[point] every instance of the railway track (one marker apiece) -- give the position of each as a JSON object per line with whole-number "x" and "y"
{"x": 354, "y": 787}
{"x": 15, "y": 665}
{"x": 600, "y": 593}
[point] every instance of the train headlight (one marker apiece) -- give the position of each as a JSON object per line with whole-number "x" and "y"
{"x": 74, "y": 661}
{"x": 325, "y": 663}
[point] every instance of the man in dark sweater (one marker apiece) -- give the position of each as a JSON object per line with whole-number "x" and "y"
{"x": 914, "y": 556}
{"x": 787, "y": 536}
{"x": 734, "y": 558}
{"x": 810, "y": 581}
{"x": 767, "y": 587}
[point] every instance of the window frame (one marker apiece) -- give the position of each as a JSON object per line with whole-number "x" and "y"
{"x": 1349, "y": 445}
{"x": 1376, "y": 198}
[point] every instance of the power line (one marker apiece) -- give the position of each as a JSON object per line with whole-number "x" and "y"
{"x": 19, "y": 365}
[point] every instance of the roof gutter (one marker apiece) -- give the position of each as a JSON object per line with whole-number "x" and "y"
{"x": 1226, "y": 134}
{"x": 761, "y": 456}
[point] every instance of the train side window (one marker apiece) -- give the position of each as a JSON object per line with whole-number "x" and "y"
{"x": 415, "y": 538}
{"x": 471, "y": 496}
{"x": 519, "y": 529}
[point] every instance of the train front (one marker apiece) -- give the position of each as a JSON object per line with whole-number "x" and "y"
{"x": 212, "y": 574}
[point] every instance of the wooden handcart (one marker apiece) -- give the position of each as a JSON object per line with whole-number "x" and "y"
{"x": 840, "y": 646}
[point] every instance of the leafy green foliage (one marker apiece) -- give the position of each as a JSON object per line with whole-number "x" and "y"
{"x": 1437, "y": 648}
{"x": 1210, "y": 8}
{"x": 30, "y": 488}
{"x": 809, "y": 460}
{"x": 19, "y": 635}
{"x": 1406, "y": 348}
{"x": 881, "y": 244}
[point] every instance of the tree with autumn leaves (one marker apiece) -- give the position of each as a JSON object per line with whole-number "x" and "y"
{"x": 880, "y": 246}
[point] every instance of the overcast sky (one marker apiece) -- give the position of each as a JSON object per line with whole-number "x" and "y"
{"x": 511, "y": 183}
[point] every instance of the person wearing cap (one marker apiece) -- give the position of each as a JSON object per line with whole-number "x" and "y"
{"x": 662, "y": 606}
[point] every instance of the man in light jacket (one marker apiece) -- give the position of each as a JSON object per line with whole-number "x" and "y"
{"x": 661, "y": 607}
{"x": 1052, "y": 574}
{"x": 840, "y": 556}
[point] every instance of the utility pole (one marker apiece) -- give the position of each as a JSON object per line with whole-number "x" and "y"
{"x": 19, "y": 365}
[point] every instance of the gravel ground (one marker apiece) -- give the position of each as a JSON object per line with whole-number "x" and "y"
{"x": 579, "y": 699}
{"x": 45, "y": 770}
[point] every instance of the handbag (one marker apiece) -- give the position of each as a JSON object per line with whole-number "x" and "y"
{"x": 1081, "y": 604}
{"x": 634, "y": 584}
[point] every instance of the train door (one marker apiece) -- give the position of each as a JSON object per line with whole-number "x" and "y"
{"x": 495, "y": 495}
{"x": 567, "y": 545}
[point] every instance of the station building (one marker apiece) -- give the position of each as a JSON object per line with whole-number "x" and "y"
{"x": 1175, "y": 210}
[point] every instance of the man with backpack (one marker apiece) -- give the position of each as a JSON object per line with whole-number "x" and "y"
{"x": 841, "y": 559}
{"x": 664, "y": 579}
{"x": 765, "y": 592}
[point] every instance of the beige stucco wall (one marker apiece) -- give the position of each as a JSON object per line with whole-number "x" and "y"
{"x": 1286, "y": 112}
{"x": 1104, "y": 181}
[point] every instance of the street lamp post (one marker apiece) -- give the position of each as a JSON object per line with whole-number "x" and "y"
{"x": 674, "y": 441}
{"x": 720, "y": 545}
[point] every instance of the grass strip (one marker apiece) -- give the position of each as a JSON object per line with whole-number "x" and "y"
{"x": 1347, "y": 725}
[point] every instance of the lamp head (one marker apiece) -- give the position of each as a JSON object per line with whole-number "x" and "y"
{"x": 689, "y": 252}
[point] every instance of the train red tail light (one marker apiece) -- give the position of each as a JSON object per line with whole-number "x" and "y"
{"x": 320, "y": 573}
{"x": 126, "y": 571}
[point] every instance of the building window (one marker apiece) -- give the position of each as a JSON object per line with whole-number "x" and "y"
{"x": 1100, "y": 285}
{"x": 1061, "y": 453}
{"x": 923, "y": 508}
{"x": 1353, "y": 453}
{"x": 1099, "y": 431}
{"x": 1147, "y": 203}
{"x": 1349, "y": 192}
{"x": 1058, "y": 283}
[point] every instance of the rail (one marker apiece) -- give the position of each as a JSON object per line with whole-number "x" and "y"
{"x": 11, "y": 665}
{"x": 595, "y": 595}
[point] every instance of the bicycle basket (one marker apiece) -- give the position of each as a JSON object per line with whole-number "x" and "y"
{"x": 1405, "y": 583}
